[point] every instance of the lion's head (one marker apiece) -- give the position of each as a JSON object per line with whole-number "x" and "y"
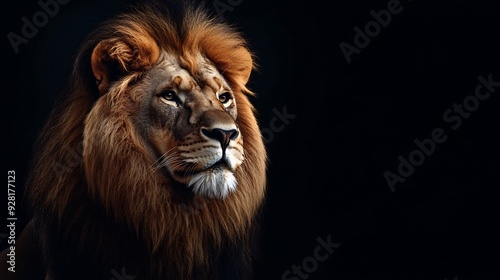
{"x": 160, "y": 108}
{"x": 181, "y": 110}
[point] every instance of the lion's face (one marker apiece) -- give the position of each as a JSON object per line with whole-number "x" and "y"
{"x": 188, "y": 122}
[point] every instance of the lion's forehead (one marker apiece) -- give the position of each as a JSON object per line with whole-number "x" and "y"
{"x": 186, "y": 77}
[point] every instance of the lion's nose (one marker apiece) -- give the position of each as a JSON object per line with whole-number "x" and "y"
{"x": 221, "y": 135}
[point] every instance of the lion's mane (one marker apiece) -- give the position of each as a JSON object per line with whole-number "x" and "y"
{"x": 93, "y": 216}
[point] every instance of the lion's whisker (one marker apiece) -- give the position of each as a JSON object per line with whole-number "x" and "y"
{"x": 162, "y": 156}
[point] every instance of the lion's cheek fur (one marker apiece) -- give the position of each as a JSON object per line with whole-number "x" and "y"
{"x": 254, "y": 166}
{"x": 116, "y": 164}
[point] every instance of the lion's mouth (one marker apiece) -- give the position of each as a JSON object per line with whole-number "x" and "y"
{"x": 191, "y": 170}
{"x": 216, "y": 180}
{"x": 221, "y": 164}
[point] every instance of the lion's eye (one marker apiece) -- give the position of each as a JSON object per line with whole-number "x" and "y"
{"x": 168, "y": 95}
{"x": 225, "y": 98}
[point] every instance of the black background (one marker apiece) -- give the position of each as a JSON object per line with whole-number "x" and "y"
{"x": 350, "y": 123}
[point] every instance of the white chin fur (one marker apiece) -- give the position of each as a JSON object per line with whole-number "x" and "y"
{"x": 214, "y": 183}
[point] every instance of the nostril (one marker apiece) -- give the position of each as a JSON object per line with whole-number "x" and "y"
{"x": 233, "y": 133}
{"x": 209, "y": 133}
{"x": 221, "y": 135}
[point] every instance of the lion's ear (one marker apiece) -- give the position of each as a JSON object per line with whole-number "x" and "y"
{"x": 113, "y": 58}
{"x": 233, "y": 61}
{"x": 246, "y": 64}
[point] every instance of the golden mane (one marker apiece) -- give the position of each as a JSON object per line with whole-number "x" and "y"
{"x": 100, "y": 188}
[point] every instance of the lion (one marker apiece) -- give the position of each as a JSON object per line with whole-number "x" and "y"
{"x": 153, "y": 165}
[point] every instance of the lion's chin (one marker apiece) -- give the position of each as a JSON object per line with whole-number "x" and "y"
{"x": 216, "y": 182}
